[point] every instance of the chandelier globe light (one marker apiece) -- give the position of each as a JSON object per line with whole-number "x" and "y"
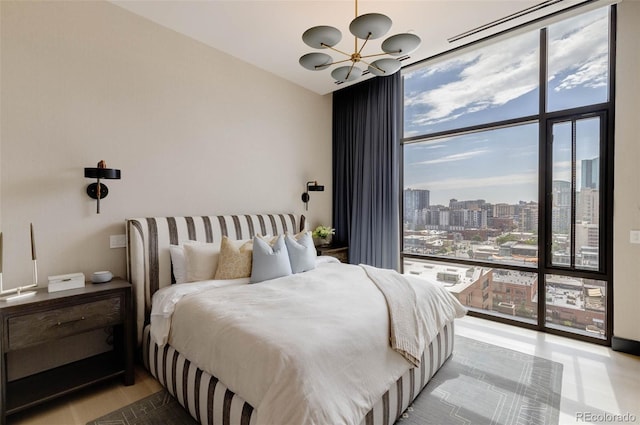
{"x": 369, "y": 26}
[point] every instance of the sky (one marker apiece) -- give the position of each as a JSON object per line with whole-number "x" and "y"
{"x": 495, "y": 83}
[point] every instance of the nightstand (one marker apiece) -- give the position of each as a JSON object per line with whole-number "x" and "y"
{"x": 48, "y": 317}
{"x": 339, "y": 252}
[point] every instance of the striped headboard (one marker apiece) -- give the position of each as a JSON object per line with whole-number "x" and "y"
{"x": 148, "y": 240}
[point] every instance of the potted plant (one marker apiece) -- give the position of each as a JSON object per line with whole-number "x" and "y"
{"x": 322, "y": 235}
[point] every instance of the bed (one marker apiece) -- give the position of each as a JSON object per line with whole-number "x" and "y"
{"x": 222, "y": 399}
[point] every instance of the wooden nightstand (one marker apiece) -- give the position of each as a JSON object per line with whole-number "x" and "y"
{"x": 339, "y": 252}
{"x": 48, "y": 317}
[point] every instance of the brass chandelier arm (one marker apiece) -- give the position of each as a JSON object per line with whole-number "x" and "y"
{"x": 350, "y": 69}
{"x": 374, "y": 55}
{"x": 335, "y": 50}
{"x": 332, "y": 63}
{"x": 373, "y": 65}
{"x": 363, "y": 44}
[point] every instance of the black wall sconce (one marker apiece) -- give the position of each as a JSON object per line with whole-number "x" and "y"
{"x": 312, "y": 186}
{"x": 98, "y": 190}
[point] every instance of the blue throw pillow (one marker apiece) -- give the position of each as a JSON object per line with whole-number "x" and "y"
{"x": 302, "y": 252}
{"x": 269, "y": 262}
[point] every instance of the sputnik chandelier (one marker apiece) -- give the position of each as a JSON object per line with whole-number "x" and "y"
{"x": 365, "y": 27}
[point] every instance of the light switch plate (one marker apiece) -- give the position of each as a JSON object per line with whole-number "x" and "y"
{"x": 634, "y": 236}
{"x": 117, "y": 241}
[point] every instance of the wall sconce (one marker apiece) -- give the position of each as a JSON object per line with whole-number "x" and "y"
{"x": 312, "y": 186}
{"x": 98, "y": 190}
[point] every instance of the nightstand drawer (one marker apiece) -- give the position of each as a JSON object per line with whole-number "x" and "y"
{"x": 342, "y": 256}
{"x": 339, "y": 252}
{"x": 36, "y": 328}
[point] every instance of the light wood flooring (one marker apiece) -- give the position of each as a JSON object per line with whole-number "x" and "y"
{"x": 595, "y": 379}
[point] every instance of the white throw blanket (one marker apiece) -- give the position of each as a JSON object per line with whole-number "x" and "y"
{"x": 405, "y": 332}
{"x": 311, "y": 348}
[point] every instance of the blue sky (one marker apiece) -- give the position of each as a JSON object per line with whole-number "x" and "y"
{"x": 493, "y": 83}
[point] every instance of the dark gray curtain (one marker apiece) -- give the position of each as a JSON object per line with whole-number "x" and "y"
{"x": 366, "y": 169}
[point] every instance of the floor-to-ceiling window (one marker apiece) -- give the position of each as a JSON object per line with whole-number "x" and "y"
{"x": 508, "y": 174}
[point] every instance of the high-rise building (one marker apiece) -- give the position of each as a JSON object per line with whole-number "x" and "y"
{"x": 529, "y": 217}
{"x": 414, "y": 200}
{"x": 561, "y": 208}
{"x": 562, "y": 193}
{"x": 588, "y": 206}
{"x": 504, "y": 210}
{"x": 590, "y": 173}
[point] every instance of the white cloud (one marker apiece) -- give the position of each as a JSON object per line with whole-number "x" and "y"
{"x": 529, "y": 178}
{"x": 583, "y": 50}
{"x": 562, "y": 170}
{"x": 502, "y": 72}
{"x": 454, "y": 157}
{"x": 491, "y": 76}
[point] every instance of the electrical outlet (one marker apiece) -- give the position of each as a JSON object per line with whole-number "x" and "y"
{"x": 117, "y": 241}
{"x": 634, "y": 236}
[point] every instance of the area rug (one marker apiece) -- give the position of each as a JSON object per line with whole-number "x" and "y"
{"x": 488, "y": 385}
{"x": 481, "y": 384}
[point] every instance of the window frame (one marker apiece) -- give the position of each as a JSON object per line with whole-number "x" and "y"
{"x": 545, "y": 121}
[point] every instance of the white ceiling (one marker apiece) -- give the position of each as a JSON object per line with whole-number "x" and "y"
{"x": 268, "y": 34}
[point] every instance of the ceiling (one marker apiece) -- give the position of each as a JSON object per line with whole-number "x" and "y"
{"x": 267, "y": 34}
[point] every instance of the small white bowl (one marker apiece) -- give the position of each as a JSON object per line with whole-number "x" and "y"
{"x": 101, "y": 277}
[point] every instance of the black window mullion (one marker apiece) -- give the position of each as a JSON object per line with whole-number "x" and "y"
{"x": 545, "y": 194}
{"x": 604, "y": 250}
{"x": 572, "y": 243}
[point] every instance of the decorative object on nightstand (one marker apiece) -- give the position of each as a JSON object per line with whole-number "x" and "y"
{"x": 19, "y": 292}
{"x": 101, "y": 277}
{"x": 49, "y": 318}
{"x": 312, "y": 186}
{"x": 340, "y": 252}
{"x": 65, "y": 282}
{"x": 98, "y": 190}
{"x": 322, "y": 235}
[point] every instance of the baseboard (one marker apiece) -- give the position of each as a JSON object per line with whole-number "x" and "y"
{"x": 628, "y": 346}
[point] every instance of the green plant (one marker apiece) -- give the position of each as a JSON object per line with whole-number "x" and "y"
{"x": 323, "y": 232}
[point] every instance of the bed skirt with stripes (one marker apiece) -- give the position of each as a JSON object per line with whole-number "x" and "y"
{"x": 209, "y": 401}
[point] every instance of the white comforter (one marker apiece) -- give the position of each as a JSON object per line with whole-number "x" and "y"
{"x": 311, "y": 348}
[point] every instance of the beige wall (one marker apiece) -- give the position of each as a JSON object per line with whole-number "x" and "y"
{"x": 626, "y": 283}
{"x": 194, "y": 131}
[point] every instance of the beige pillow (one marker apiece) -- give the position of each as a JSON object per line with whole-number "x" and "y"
{"x": 235, "y": 259}
{"x": 201, "y": 261}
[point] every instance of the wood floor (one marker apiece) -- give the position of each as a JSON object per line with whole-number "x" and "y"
{"x": 595, "y": 379}
{"x": 91, "y": 403}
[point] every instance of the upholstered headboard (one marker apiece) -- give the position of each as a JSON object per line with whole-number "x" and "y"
{"x": 148, "y": 240}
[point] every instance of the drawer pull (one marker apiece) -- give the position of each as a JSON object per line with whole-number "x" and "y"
{"x": 70, "y": 321}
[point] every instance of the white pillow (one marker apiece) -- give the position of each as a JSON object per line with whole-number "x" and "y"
{"x": 269, "y": 262}
{"x": 178, "y": 262}
{"x": 201, "y": 261}
{"x": 302, "y": 252}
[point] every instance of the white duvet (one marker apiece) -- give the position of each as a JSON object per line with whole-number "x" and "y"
{"x": 310, "y": 348}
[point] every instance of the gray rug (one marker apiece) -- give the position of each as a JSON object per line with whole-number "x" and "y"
{"x": 484, "y": 384}
{"x": 481, "y": 384}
